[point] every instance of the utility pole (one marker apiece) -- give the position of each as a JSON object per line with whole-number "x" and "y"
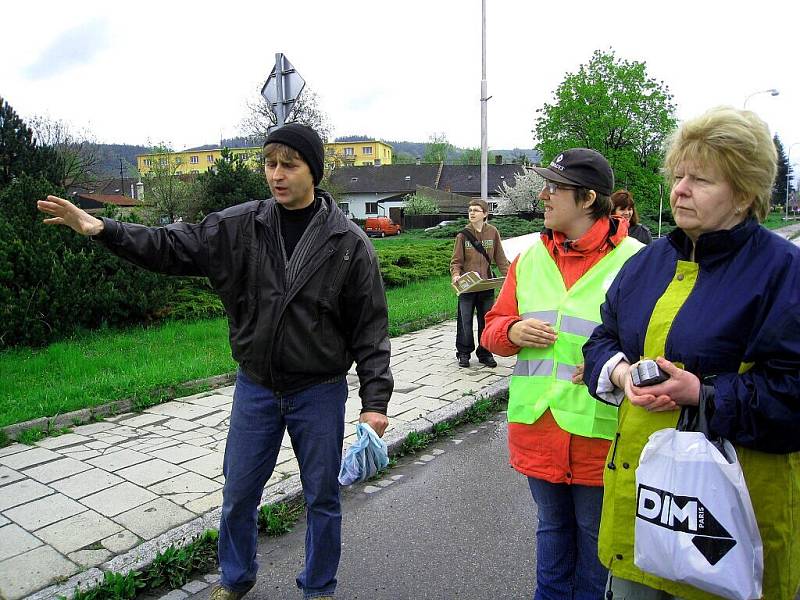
{"x": 121, "y": 178}
{"x": 484, "y": 100}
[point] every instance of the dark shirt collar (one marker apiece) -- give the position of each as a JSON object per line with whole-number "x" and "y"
{"x": 715, "y": 246}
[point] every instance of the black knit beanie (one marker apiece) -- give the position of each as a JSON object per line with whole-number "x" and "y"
{"x": 307, "y": 143}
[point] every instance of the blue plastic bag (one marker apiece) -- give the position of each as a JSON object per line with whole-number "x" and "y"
{"x": 364, "y": 458}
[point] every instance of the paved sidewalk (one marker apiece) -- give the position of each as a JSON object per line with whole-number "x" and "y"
{"x": 112, "y": 494}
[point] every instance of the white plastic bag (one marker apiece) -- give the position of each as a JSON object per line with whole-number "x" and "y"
{"x": 694, "y": 520}
{"x": 364, "y": 458}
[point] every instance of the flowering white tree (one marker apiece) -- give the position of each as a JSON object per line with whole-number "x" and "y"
{"x": 419, "y": 204}
{"x": 522, "y": 196}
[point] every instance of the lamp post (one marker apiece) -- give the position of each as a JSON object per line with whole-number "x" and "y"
{"x": 771, "y": 92}
{"x": 788, "y": 167}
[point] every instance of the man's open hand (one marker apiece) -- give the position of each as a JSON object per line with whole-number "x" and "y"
{"x": 64, "y": 212}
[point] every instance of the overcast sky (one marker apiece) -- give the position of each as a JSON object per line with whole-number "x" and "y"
{"x": 181, "y": 72}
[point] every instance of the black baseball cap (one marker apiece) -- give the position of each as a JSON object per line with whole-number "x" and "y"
{"x": 581, "y": 167}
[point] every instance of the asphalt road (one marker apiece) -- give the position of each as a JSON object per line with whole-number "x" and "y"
{"x": 456, "y": 522}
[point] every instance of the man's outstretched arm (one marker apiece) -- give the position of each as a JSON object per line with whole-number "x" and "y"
{"x": 64, "y": 212}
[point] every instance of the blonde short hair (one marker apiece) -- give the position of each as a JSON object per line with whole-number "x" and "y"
{"x": 738, "y": 143}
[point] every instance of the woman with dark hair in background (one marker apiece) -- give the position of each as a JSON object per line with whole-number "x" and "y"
{"x": 622, "y": 206}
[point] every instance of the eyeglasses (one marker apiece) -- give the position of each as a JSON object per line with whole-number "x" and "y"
{"x": 552, "y": 187}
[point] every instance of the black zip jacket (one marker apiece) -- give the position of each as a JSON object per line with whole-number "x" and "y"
{"x": 285, "y": 337}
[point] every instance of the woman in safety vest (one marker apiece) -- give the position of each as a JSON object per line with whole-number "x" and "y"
{"x": 717, "y": 304}
{"x": 558, "y": 435}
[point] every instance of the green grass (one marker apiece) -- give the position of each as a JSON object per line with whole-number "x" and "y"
{"x": 280, "y": 518}
{"x": 141, "y": 363}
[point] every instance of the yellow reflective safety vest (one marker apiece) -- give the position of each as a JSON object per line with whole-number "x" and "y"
{"x": 542, "y": 377}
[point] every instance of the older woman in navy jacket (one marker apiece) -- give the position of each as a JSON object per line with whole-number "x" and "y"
{"x": 717, "y": 303}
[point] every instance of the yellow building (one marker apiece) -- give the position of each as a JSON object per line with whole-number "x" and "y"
{"x": 193, "y": 161}
{"x": 337, "y": 154}
{"x": 363, "y": 153}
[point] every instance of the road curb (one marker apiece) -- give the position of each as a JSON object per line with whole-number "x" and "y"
{"x": 86, "y": 415}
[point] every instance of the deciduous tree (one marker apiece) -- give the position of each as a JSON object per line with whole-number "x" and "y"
{"x": 523, "y": 196}
{"x": 306, "y": 110}
{"x": 77, "y": 150}
{"x": 437, "y": 149}
{"x": 614, "y": 106}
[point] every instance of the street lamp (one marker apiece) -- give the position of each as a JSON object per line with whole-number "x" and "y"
{"x": 771, "y": 92}
{"x": 788, "y": 167}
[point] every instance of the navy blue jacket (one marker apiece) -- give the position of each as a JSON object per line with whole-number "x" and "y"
{"x": 745, "y": 307}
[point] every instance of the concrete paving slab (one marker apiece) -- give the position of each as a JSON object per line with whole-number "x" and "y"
{"x": 114, "y": 461}
{"x": 85, "y": 483}
{"x": 30, "y": 457}
{"x": 189, "y": 436}
{"x": 21, "y": 492}
{"x": 184, "y": 498}
{"x": 182, "y": 410}
{"x": 12, "y": 449}
{"x": 152, "y": 471}
{"x": 187, "y": 483}
{"x": 58, "y": 469}
{"x": 89, "y": 558}
{"x": 9, "y": 475}
{"x": 432, "y": 391}
{"x": 213, "y": 420}
{"x": 180, "y": 454}
{"x": 62, "y": 441}
{"x": 78, "y": 531}
{"x": 154, "y": 518}
{"x": 427, "y": 404}
{"x": 26, "y": 573}
{"x": 81, "y": 454}
{"x": 205, "y": 503}
{"x": 118, "y": 499}
{"x": 209, "y": 465}
{"x": 40, "y": 513}
{"x": 120, "y": 542}
{"x": 141, "y": 420}
{"x": 98, "y": 445}
{"x": 3, "y": 521}
{"x": 15, "y": 540}
{"x": 181, "y": 425}
{"x": 214, "y": 400}
{"x": 93, "y": 428}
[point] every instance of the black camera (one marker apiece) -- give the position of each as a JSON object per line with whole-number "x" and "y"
{"x": 646, "y": 372}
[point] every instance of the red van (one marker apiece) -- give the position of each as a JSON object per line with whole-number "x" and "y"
{"x": 381, "y": 227}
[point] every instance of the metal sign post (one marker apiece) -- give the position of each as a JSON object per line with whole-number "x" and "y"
{"x": 282, "y": 88}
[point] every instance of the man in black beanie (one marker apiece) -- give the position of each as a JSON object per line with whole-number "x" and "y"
{"x": 304, "y": 299}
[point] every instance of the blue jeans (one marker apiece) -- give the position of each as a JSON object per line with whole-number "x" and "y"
{"x": 315, "y": 420}
{"x": 567, "y": 566}
{"x": 478, "y": 303}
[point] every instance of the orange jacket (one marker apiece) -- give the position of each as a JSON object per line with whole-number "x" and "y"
{"x": 542, "y": 449}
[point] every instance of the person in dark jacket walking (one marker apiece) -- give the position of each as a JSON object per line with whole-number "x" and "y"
{"x": 304, "y": 298}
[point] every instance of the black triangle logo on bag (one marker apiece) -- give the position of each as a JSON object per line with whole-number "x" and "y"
{"x": 713, "y": 548}
{"x": 685, "y": 514}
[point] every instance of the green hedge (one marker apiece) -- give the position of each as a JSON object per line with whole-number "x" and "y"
{"x": 54, "y": 282}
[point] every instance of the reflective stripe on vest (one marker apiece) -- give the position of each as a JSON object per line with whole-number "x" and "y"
{"x": 542, "y": 377}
